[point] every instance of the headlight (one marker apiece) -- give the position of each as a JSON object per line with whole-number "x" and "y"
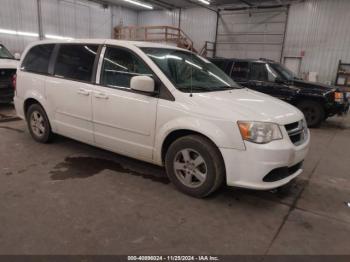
{"x": 259, "y": 132}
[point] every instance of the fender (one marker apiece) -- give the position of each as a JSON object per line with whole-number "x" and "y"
{"x": 215, "y": 132}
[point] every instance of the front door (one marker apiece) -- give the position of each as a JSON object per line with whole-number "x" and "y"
{"x": 124, "y": 120}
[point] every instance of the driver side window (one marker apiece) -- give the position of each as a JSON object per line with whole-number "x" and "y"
{"x": 119, "y": 66}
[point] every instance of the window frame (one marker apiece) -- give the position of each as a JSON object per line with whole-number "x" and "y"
{"x": 103, "y": 55}
{"x": 94, "y": 67}
{"x": 161, "y": 92}
{"x": 250, "y": 72}
{"x": 49, "y": 64}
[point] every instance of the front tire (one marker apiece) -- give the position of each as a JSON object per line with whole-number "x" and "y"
{"x": 313, "y": 111}
{"x": 38, "y": 124}
{"x": 195, "y": 166}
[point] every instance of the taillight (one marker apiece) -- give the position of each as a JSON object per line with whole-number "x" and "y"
{"x": 14, "y": 81}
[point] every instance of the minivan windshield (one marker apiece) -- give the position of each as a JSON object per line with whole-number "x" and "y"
{"x": 284, "y": 72}
{"x": 190, "y": 72}
{"x": 5, "y": 54}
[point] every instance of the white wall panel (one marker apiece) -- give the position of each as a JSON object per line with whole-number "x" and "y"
{"x": 18, "y": 15}
{"x": 200, "y": 25}
{"x": 159, "y": 17}
{"x": 70, "y": 18}
{"x": 321, "y": 29}
{"x": 124, "y": 16}
{"x": 77, "y": 19}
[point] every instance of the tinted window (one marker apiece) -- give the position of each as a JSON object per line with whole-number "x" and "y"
{"x": 258, "y": 72}
{"x": 119, "y": 66}
{"x": 240, "y": 71}
{"x": 223, "y": 64}
{"x": 38, "y": 58}
{"x": 76, "y": 62}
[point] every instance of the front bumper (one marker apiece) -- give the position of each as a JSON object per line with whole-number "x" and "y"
{"x": 248, "y": 168}
{"x": 338, "y": 109}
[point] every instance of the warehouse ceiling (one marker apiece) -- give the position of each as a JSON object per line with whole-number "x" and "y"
{"x": 171, "y": 4}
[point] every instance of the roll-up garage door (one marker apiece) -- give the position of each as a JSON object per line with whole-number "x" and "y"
{"x": 252, "y": 34}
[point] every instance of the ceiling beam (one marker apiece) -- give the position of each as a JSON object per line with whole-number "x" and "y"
{"x": 195, "y": 2}
{"x": 161, "y": 3}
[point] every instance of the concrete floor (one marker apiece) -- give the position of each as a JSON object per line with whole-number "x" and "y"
{"x": 70, "y": 198}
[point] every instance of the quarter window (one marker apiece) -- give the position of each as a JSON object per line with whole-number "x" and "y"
{"x": 76, "y": 62}
{"x": 119, "y": 66}
{"x": 38, "y": 58}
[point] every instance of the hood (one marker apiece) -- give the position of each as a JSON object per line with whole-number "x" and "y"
{"x": 313, "y": 87}
{"x": 244, "y": 104}
{"x": 8, "y": 63}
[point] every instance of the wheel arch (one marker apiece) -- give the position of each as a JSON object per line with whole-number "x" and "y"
{"x": 176, "y": 134}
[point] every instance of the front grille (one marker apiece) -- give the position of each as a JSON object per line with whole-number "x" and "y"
{"x": 282, "y": 173}
{"x": 297, "y": 132}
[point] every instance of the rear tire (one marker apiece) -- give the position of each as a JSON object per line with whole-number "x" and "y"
{"x": 195, "y": 166}
{"x": 313, "y": 111}
{"x": 38, "y": 124}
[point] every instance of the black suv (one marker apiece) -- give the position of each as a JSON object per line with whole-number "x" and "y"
{"x": 317, "y": 101}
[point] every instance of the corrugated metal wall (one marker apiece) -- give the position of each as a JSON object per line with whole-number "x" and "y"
{"x": 251, "y": 34}
{"x": 68, "y": 18}
{"x": 159, "y": 17}
{"x": 321, "y": 29}
{"x": 19, "y": 15}
{"x": 198, "y": 23}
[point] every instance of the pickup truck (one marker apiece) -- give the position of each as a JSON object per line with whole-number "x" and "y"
{"x": 317, "y": 101}
{"x": 8, "y": 67}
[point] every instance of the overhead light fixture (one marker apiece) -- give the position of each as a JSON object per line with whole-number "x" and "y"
{"x": 58, "y": 37}
{"x": 140, "y": 4}
{"x": 206, "y": 2}
{"x": 20, "y": 33}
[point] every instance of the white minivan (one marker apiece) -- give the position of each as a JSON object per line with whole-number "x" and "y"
{"x": 162, "y": 105}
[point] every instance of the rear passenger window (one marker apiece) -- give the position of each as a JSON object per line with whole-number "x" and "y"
{"x": 240, "y": 71}
{"x": 38, "y": 58}
{"x": 119, "y": 66}
{"x": 76, "y": 62}
{"x": 259, "y": 72}
{"x": 223, "y": 65}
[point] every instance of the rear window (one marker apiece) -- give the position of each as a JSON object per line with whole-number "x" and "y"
{"x": 38, "y": 58}
{"x": 76, "y": 62}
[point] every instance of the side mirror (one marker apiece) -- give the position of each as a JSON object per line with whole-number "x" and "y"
{"x": 17, "y": 56}
{"x": 143, "y": 84}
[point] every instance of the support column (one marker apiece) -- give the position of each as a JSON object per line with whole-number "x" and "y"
{"x": 40, "y": 20}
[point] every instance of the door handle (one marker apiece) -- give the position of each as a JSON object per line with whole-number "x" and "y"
{"x": 101, "y": 96}
{"x": 83, "y": 92}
